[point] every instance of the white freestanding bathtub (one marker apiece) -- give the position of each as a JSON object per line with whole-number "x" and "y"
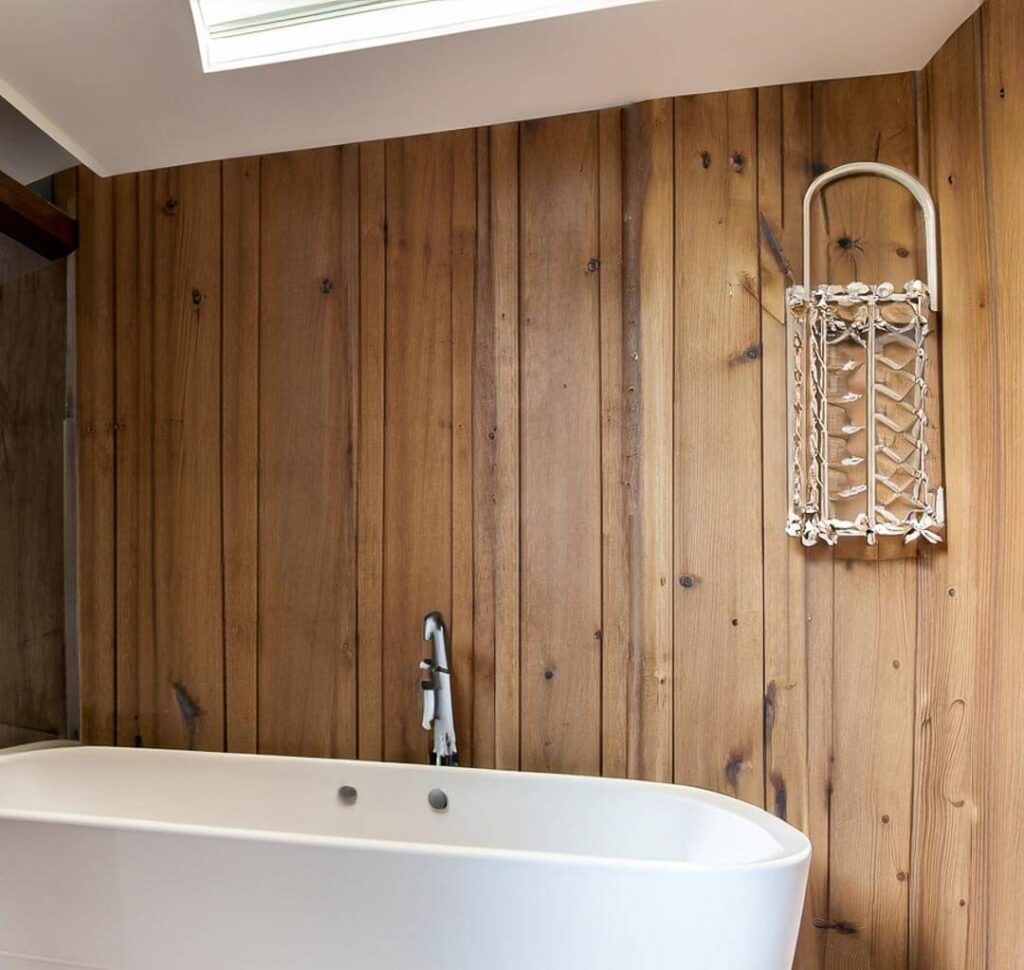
{"x": 126, "y": 859}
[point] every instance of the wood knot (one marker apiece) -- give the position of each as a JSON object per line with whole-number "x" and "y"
{"x": 197, "y": 298}
{"x": 593, "y": 265}
{"x": 686, "y": 582}
{"x": 842, "y": 927}
{"x": 733, "y": 767}
{"x": 169, "y": 207}
{"x": 738, "y": 162}
{"x": 848, "y": 244}
{"x": 549, "y": 674}
{"x": 902, "y": 252}
{"x": 705, "y": 159}
{"x": 326, "y": 286}
{"x": 769, "y": 709}
{"x": 781, "y": 806}
{"x": 189, "y": 708}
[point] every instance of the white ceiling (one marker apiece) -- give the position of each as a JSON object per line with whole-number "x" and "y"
{"x": 119, "y": 82}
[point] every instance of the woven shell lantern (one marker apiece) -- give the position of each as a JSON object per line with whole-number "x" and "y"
{"x": 859, "y": 459}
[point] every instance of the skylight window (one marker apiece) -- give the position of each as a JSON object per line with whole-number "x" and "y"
{"x": 244, "y": 33}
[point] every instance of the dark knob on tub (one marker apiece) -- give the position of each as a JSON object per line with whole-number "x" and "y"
{"x": 438, "y": 800}
{"x": 347, "y": 795}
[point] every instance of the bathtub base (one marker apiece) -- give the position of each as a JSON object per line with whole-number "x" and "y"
{"x": 127, "y": 900}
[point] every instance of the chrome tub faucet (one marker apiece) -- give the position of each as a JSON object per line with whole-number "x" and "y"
{"x": 437, "y": 693}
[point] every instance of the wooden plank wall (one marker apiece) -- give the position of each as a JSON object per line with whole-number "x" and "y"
{"x": 534, "y": 376}
{"x": 33, "y": 365}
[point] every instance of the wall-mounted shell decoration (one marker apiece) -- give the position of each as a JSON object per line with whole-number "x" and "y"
{"x": 859, "y": 460}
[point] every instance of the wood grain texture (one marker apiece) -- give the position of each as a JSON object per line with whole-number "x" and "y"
{"x": 33, "y": 323}
{"x": 718, "y": 587}
{"x": 505, "y": 275}
{"x": 186, "y": 692}
{"x": 875, "y": 602}
{"x": 17, "y": 260}
{"x": 645, "y": 478}
{"x": 95, "y": 425}
{"x": 307, "y": 576}
{"x": 65, "y": 197}
{"x": 347, "y": 704}
{"x": 460, "y": 622}
{"x": 496, "y": 515}
{"x": 561, "y": 442}
{"x": 615, "y": 592}
{"x": 134, "y": 459}
{"x": 418, "y": 425}
{"x": 370, "y": 527}
{"x": 485, "y": 458}
{"x": 797, "y": 708}
{"x": 956, "y": 586}
{"x": 240, "y": 444}
{"x": 1002, "y": 80}
{"x": 461, "y": 423}
{"x": 33, "y": 222}
{"x": 947, "y": 903}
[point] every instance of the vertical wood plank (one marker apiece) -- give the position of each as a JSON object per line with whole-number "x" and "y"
{"x": 718, "y": 588}
{"x": 346, "y": 723}
{"x": 372, "y": 293}
{"x": 956, "y": 584}
{"x": 186, "y": 693}
{"x": 496, "y": 452}
{"x": 145, "y": 651}
{"x": 464, "y": 205}
{"x": 797, "y": 582}
{"x": 485, "y": 431}
{"x": 133, "y": 484}
{"x": 307, "y": 579}
{"x": 1003, "y": 765}
{"x": 65, "y": 197}
{"x": 136, "y": 648}
{"x": 560, "y": 441}
{"x": 615, "y": 598}
{"x": 499, "y": 649}
{"x": 819, "y": 594}
{"x": 417, "y": 425}
{"x": 240, "y": 431}
{"x": 646, "y": 386}
{"x": 33, "y": 325}
{"x": 866, "y": 229}
{"x": 95, "y": 419}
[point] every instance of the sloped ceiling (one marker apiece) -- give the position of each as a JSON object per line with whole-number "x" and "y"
{"x": 119, "y": 83}
{"x": 26, "y": 153}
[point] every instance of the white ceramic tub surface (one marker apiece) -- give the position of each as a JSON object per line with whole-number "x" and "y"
{"x": 125, "y": 859}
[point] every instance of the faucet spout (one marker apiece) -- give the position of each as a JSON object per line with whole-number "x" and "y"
{"x": 437, "y": 694}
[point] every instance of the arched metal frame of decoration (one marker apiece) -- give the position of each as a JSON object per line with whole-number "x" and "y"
{"x": 858, "y": 395}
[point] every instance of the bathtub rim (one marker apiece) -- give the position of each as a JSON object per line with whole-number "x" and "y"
{"x": 794, "y": 845}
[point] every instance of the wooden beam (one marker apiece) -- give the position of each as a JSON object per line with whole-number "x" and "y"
{"x": 34, "y": 222}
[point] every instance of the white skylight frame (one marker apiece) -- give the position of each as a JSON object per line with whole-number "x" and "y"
{"x": 246, "y": 33}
